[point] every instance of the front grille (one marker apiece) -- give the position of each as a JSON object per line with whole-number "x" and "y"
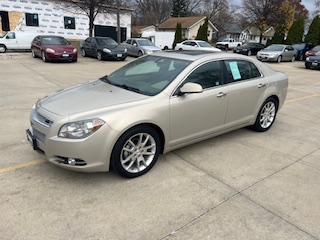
{"x": 41, "y": 119}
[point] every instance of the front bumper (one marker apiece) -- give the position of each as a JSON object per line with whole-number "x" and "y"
{"x": 312, "y": 64}
{"x": 91, "y": 154}
{"x": 267, "y": 58}
{"x": 62, "y": 56}
{"x": 115, "y": 56}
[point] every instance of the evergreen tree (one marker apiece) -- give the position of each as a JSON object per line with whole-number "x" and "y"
{"x": 177, "y": 35}
{"x": 313, "y": 35}
{"x": 296, "y": 32}
{"x": 179, "y": 8}
{"x": 203, "y": 31}
{"x": 278, "y": 38}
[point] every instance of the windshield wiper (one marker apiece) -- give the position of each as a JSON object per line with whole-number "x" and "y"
{"x": 124, "y": 86}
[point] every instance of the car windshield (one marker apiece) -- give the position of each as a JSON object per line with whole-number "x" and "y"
{"x": 274, "y": 48}
{"x": 106, "y": 42}
{"x": 148, "y": 75}
{"x": 316, "y": 48}
{"x": 145, "y": 42}
{"x": 318, "y": 53}
{"x": 299, "y": 46}
{"x": 249, "y": 45}
{"x": 204, "y": 44}
{"x": 54, "y": 41}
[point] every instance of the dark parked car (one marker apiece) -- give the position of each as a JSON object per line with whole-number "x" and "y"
{"x": 103, "y": 48}
{"x": 312, "y": 51}
{"x": 53, "y": 48}
{"x": 313, "y": 61}
{"x": 249, "y": 48}
{"x": 302, "y": 48}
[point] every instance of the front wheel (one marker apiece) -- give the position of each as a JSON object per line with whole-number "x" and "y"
{"x": 136, "y": 151}
{"x": 33, "y": 53}
{"x": 3, "y": 48}
{"x": 99, "y": 56}
{"x": 83, "y": 53}
{"x": 279, "y": 59}
{"x": 266, "y": 116}
{"x": 293, "y": 58}
{"x": 249, "y": 53}
{"x": 301, "y": 56}
{"x": 43, "y": 56}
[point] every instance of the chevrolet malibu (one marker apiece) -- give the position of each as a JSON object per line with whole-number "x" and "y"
{"x": 153, "y": 105}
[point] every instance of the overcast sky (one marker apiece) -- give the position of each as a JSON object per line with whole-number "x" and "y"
{"x": 309, "y": 4}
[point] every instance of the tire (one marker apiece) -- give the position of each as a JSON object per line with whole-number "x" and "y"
{"x": 180, "y": 49}
{"x": 99, "y": 56}
{"x": 136, "y": 152}
{"x": 3, "y": 48}
{"x": 43, "y": 56}
{"x": 165, "y": 48}
{"x": 33, "y": 53}
{"x": 249, "y": 53}
{"x": 307, "y": 66}
{"x": 301, "y": 57}
{"x": 266, "y": 116}
{"x": 140, "y": 53}
{"x": 279, "y": 59}
{"x": 74, "y": 60}
{"x": 293, "y": 58}
{"x": 83, "y": 53}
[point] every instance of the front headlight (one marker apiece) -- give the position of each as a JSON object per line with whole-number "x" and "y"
{"x": 125, "y": 50}
{"x": 80, "y": 129}
{"x": 307, "y": 59}
{"x": 74, "y": 50}
{"x": 148, "y": 51}
{"x": 50, "y": 50}
{"x": 106, "y": 50}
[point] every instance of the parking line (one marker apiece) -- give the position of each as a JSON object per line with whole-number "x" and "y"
{"x": 27, "y": 164}
{"x": 302, "y": 98}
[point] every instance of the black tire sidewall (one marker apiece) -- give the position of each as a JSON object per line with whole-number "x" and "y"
{"x": 257, "y": 126}
{"x": 116, "y": 152}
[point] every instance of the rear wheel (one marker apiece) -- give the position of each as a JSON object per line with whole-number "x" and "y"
{"x": 33, "y": 53}
{"x": 136, "y": 151}
{"x": 83, "y": 53}
{"x": 266, "y": 116}
{"x": 43, "y": 56}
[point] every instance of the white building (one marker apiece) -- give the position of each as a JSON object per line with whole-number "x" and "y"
{"x": 52, "y": 17}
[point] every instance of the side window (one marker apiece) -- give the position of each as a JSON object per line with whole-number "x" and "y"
{"x": 193, "y": 44}
{"x": 11, "y": 35}
{"x": 128, "y": 41}
{"x": 134, "y": 42}
{"x": 32, "y": 19}
{"x": 186, "y": 43}
{"x": 207, "y": 75}
{"x": 69, "y": 23}
{"x": 238, "y": 70}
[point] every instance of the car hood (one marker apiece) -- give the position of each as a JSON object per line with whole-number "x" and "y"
{"x": 152, "y": 48}
{"x": 314, "y": 58}
{"x": 86, "y": 97}
{"x": 211, "y": 49}
{"x": 269, "y": 52}
{"x": 112, "y": 47}
{"x": 60, "y": 48}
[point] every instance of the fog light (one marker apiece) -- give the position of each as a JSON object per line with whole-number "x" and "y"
{"x": 72, "y": 161}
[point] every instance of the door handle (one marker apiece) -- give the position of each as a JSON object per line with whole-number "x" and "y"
{"x": 221, "y": 94}
{"x": 261, "y": 85}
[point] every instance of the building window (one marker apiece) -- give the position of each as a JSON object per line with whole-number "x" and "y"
{"x": 32, "y": 19}
{"x": 69, "y": 23}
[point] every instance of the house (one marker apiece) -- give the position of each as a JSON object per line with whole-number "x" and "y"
{"x": 54, "y": 18}
{"x": 252, "y": 34}
{"x": 190, "y": 26}
{"x": 231, "y": 30}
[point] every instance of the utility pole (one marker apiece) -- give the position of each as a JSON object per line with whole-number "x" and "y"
{"x": 118, "y": 22}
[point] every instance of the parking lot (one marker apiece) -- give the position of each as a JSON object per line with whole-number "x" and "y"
{"x": 241, "y": 185}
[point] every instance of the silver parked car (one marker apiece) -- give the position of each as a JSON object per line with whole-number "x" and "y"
{"x": 277, "y": 53}
{"x": 140, "y": 46}
{"x": 153, "y": 105}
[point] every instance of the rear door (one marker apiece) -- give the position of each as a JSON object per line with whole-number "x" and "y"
{"x": 247, "y": 88}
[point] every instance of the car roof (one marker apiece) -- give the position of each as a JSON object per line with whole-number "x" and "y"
{"x": 194, "y": 55}
{"x": 44, "y": 36}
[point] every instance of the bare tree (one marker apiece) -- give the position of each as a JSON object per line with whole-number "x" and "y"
{"x": 88, "y": 7}
{"x": 152, "y": 12}
{"x": 261, "y": 13}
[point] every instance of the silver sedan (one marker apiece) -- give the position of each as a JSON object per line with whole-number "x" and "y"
{"x": 140, "y": 46}
{"x": 153, "y": 105}
{"x": 277, "y": 53}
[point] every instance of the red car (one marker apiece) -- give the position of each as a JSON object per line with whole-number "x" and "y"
{"x": 312, "y": 51}
{"x": 53, "y": 48}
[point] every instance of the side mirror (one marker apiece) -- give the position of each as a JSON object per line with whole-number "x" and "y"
{"x": 190, "y": 88}
{"x": 286, "y": 50}
{"x": 135, "y": 44}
